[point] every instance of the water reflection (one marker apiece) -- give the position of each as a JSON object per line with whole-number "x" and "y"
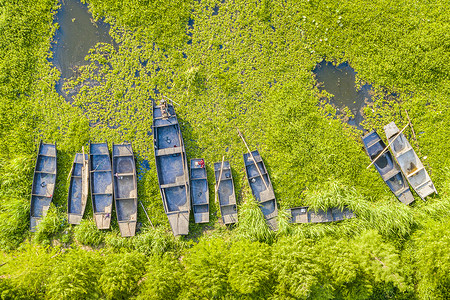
{"x": 340, "y": 81}
{"x": 77, "y": 34}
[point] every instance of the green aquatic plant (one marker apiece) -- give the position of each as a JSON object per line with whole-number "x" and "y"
{"x": 88, "y": 234}
{"x": 252, "y": 225}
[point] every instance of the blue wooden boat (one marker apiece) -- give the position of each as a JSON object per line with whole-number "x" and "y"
{"x": 303, "y": 215}
{"x": 387, "y": 167}
{"x": 101, "y": 184}
{"x": 261, "y": 186}
{"x": 125, "y": 188}
{"x": 43, "y": 185}
{"x": 171, "y": 167}
{"x": 199, "y": 191}
{"x": 78, "y": 189}
{"x": 225, "y": 192}
{"x": 409, "y": 162}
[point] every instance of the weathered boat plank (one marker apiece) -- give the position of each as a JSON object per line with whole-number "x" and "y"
{"x": 125, "y": 188}
{"x": 199, "y": 191}
{"x": 43, "y": 185}
{"x": 78, "y": 189}
{"x": 171, "y": 167}
{"x": 387, "y": 167}
{"x": 409, "y": 162}
{"x": 261, "y": 187}
{"x": 101, "y": 184}
{"x": 226, "y": 193}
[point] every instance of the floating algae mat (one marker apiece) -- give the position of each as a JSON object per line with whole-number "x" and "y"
{"x": 77, "y": 33}
{"x": 340, "y": 81}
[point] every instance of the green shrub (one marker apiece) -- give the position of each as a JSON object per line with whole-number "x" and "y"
{"x": 26, "y": 271}
{"x": 49, "y": 226}
{"x": 251, "y": 271}
{"x": 88, "y": 234}
{"x": 252, "y": 225}
{"x": 121, "y": 273}
{"x": 76, "y": 275}
{"x": 14, "y": 214}
{"x": 164, "y": 278}
{"x": 207, "y": 268}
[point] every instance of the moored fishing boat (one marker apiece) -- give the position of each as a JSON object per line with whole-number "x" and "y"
{"x": 303, "y": 215}
{"x": 101, "y": 184}
{"x": 43, "y": 186}
{"x": 225, "y": 192}
{"x": 78, "y": 188}
{"x": 409, "y": 162}
{"x": 261, "y": 187}
{"x": 387, "y": 167}
{"x": 171, "y": 167}
{"x": 199, "y": 191}
{"x": 125, "y": 188}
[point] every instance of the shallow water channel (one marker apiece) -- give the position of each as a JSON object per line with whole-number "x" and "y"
{"x": 340, "y": 81}
{"x": 77, "y": 34}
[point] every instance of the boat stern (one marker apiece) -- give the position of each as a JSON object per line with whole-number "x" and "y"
{"x": 179, "y": 222}
{"x": 74, "y": 219}
{"x": 127, "y": 229}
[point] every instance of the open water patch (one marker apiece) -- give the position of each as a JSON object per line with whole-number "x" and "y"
{"x": 77, "y": 33}
{"x": 340, "y": 81}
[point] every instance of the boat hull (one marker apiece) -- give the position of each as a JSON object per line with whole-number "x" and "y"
{"x": 101, "y": 184}
{"x": 302, "y": 215}
{"x": 409, "y": 162}
{"x": 226, "y": 193}
{"x": 199, "y": 191}
{"x": 125, "y": 188}
{"x": 261, "y": 187}
{"x": 78, "y": 189}
{"x": 171, "y": 167}
{"x": 43, "y": 186}
{"x": 387, "y": 167}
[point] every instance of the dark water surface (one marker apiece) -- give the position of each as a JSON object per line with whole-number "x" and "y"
{"x": 340, "y": 81}
{"x": 77, "y": 34}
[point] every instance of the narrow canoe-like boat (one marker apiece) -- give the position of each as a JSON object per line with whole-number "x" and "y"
{"x": 199, "y": 191}
{"x": 302, "y": 215}
{"x": 387, "y": 167}
{"x": 225, "y": 192}
{"x": 101, "y": 184}
{"x": 171, "y": 167}
{"x": 261, "y": 186}
{"x": 78, "y": 189}
{"x": 43, "y": 183}
{"x": 125, "y": 188}
{"x": 409, "y": 162}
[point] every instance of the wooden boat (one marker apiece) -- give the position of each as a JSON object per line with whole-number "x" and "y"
{"x": 261, "y": 186}
{"x": 302, "y": 215}
{"x": 225, "y": 192}
{"x": 409, "y": 162}
{"x": 101, "y": 184}
{"x": 171, "y": 167}
{"x": 43, "y": 185}
{"x": 125, "y": 188}
{"x": 387, "y": 167}
{"x": 78, "y": 189}
{"x": 199, "y": 191}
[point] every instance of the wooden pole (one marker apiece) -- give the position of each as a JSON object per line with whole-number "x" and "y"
{"x": 254, "y": 161}
{"x": 220, "y": 178}
{"x": 71, "y": 169}
{"x": 142, "y": 205}
{"x": 384, "y": 150}
{"x": 412, "y": 129}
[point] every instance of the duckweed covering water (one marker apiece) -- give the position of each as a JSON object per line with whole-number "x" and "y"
{"x": 248, "y": 65}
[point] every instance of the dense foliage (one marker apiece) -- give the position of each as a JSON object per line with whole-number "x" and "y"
{"x": 229, "y": 64}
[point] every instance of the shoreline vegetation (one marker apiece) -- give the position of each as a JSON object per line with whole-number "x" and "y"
{"x": 246, "y": 64}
